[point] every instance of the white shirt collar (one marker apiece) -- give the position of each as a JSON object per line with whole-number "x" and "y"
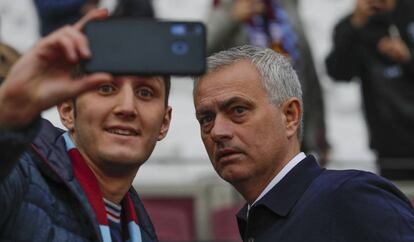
{"x": 289, "y": 166}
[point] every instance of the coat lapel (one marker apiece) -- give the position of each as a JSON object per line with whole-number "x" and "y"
{"x": 281, "y": 199}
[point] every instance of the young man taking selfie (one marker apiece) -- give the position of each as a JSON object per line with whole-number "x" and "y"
{"x": 76, "y": 185}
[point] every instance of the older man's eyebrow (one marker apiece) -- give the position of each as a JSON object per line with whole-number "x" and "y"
{"x": 222, "y": 105}
{"x": 227, "y": 103}
{"x": 203, "y": 110}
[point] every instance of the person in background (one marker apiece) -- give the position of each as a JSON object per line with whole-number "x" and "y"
{"x": 76, "y": 185}
{"x": 375, "y": 43}
{"x": 141, "y": 9}
{"x": 275, "y": 24}
{"x": 55, "y": 14}
{"x": 249, "y": 107}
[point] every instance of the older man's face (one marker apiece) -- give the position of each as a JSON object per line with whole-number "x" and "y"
{"x": 244, "y": 134}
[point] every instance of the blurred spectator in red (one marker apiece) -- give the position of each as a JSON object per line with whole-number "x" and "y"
{"x": 376, "y": 44}
{"x": 275, "y": 24}
{"x": 56, "y": 13}
{"x": 226, "y": 23}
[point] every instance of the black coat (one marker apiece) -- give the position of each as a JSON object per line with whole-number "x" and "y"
{"x": 311, "y": 204}
{"x": 387, "y": 86}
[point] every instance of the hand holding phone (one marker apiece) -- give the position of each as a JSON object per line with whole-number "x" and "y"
{"x": 41, "y": 78}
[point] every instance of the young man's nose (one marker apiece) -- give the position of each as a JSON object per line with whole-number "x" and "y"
{"x": 126, "y": 103}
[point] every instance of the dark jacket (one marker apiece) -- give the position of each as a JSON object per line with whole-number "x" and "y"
{"x": 54, "y": 14}
{"x": 317, "y": 205}
{"x": 134, "y": 9}
{"x": 387, "y": 86}
{"x": 40, "y": 198}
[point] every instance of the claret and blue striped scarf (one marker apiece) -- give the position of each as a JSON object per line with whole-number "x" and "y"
{"x": 114, "y": 225}
{"x": 273, "y": 29}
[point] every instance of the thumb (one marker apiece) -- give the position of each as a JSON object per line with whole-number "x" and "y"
{"x": 89, "y": 82}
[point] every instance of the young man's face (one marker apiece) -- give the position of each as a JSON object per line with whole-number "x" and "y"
{"x": 120, "y": 122}
{"x": 244, "y": 134}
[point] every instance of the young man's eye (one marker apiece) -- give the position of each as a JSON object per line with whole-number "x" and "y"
{"x": 106, "y": 89}
{"x": 144, "y": 92}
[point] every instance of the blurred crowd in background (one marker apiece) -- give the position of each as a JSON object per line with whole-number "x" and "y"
{"x": 369, "y": 42}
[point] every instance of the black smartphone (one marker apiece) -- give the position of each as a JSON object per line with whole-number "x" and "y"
{"x": 146, "y": 47}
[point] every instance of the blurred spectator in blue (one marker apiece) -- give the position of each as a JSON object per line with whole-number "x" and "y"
{"x": 275, "y": 24}
{"x": 56, "y": 13}
{"x": 376, "y": 43}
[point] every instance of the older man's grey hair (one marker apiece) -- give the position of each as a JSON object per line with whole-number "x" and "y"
{"x": 278, "y": 77}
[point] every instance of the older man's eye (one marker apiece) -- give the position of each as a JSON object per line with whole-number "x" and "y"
{"x": 106, "y": 89}
{"x": 239, "y": 110}
{"x": 205, "y": 119}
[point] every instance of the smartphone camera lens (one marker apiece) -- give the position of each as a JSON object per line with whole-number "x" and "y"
{"x": 178, "y": 29}
{"x": 179, "y": 47}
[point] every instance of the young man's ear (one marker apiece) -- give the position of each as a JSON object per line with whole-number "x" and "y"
{"x": 165, "y": 123}
{"x": 67, "y": 114}
{"x": 292, "y": 110}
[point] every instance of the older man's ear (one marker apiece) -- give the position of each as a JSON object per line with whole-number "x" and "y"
{"x": 292, "y": 112}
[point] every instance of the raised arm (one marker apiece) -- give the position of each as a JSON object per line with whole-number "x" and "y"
{"x": 345, "y": 59}
{"x": 39, "y": 80}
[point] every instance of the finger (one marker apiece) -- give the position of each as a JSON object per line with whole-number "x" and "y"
{"x": 384, "y": 43}
{"x": 80, "y": 41}
{"x": 67, "y": 45}
{"x": 89, "y": 82}
{"x": 74, "y": 88}
{"x": 401, "y": 52}
{"x": 96, "y": 14}
{"x": 63, "y": 89}
{"x": 56, "y": 45}
{"x": 394, "y": 51}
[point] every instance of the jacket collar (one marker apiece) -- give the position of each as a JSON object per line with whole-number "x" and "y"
{"x": 282, "y": 197}
{"x": 143, "y": 217}
{"x": 50, "y": 146}
{"x": 55, "y": 163}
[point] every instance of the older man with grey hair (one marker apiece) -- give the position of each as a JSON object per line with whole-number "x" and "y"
{"x": 249, "y": 106}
